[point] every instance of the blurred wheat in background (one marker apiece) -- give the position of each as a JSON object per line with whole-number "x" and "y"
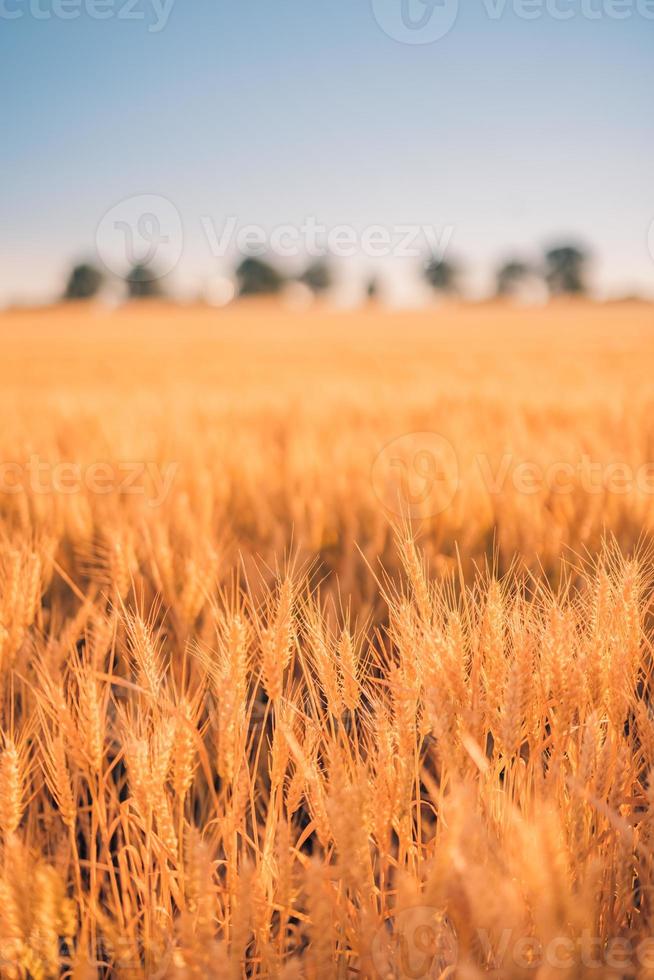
{"x": 256, "y": 721}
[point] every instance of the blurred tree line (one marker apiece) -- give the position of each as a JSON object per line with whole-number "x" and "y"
{"x": 562, "y": 270}
{"x": 86, "y": 281}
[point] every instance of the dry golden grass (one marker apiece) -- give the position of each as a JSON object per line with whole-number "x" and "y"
{"x": 254, "y": 723}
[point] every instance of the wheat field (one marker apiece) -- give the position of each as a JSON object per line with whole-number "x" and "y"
{"x": 325, "y": 642}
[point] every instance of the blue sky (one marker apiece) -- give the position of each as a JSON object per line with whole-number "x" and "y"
{"x": 511, "y": 132}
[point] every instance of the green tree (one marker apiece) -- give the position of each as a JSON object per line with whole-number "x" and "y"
{"x": 372, "y": 289}
{"x": 317, "y": 276}
{"x": 256, "y": 277}
{"x": 565, "y": 270}
{"x": 143, "y": 282}
{"x": 442, "y": 276}
{"x": 511, "y": 276}
{"x": 84, "y": 282}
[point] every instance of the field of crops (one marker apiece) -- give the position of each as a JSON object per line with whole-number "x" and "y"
{"x": 325, "y": 642}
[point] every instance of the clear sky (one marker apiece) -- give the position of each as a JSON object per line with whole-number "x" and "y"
{"x": 511, "y": 131}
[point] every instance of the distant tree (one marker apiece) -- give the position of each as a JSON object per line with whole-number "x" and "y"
{"x": 84, "y": 282}
{"x": 511, "y": 276}
{"x": 442, "y": 276}
{"x": 372, "y": 289}
{"x": 317, "y": 276}
{"x": 143, "y": 282}
{"x": 256, "y": 277}
{"x": 565, "y": 270}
